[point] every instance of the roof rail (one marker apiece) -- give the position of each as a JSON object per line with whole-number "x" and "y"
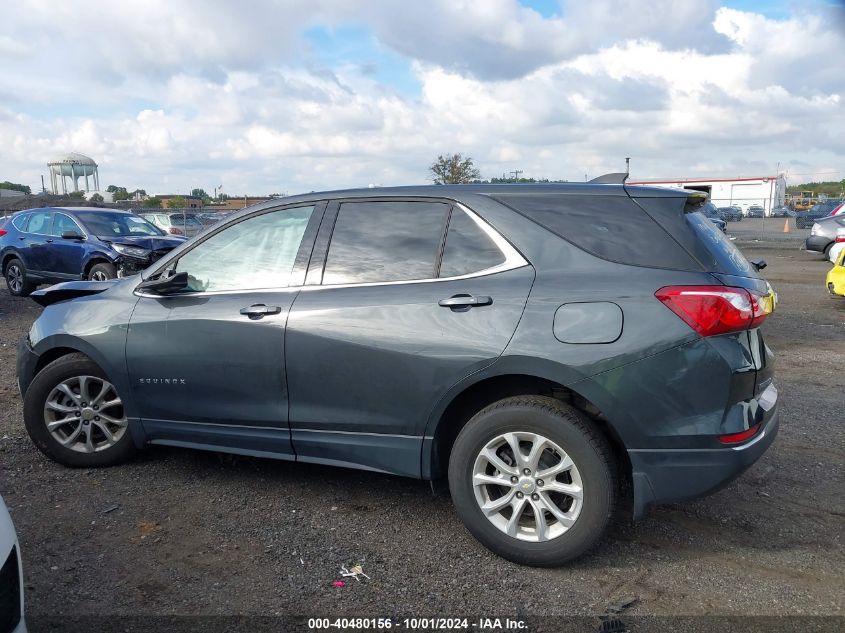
{"x": 610, "y": 179}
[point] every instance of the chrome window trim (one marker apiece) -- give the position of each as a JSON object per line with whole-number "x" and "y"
{"x": 513, "y": 260}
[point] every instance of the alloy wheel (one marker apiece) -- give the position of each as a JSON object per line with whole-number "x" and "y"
{"x": 99, "y": 275}
{"x": 527, "y": 486}
{"x": 14, "y": 275}
{"x": 85, "y": 414}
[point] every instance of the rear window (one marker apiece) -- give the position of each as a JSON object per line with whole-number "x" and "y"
{"x": 610, "y": 227}
{"x": 727, "y": 256}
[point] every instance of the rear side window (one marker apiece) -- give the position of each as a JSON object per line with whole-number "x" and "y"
{"x": 385, "y": 241}
{"x": 19, "y": 221}
{"x": 610, "y": 227}
{"x": 39, "y": 222}
{"x": 468, "y": 248}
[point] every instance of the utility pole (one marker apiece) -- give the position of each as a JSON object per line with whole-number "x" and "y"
{"x": 516, "y": 173}
{"x": 43, "y": 188}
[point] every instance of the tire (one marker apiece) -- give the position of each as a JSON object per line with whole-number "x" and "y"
{"x": 571, "y": 432}
{"x": 16, "y": 279}
{"x": 826, "y": 251}
{"x": 37, "y": 414}
{"x": 101, "y": 272}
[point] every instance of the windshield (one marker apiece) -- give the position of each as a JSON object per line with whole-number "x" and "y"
{"x": 105, "y": 224}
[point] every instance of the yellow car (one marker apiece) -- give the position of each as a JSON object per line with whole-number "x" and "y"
{"x": 836, "y": 277}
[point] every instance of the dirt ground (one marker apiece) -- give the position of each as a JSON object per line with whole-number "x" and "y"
{"x": 185, "y": 532}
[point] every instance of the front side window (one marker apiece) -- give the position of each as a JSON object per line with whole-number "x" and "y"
{"x": 385, "y": 241}
{"x": 39, "y": 222}
{"x": 63, "y": 224}
{"x": 468, "y": 247}
{"x": 258, "y": 252}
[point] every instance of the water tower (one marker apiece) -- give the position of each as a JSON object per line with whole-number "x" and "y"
{"x": 73, "y": 165}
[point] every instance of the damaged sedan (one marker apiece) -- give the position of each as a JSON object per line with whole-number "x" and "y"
{"x": 52, "y": 245}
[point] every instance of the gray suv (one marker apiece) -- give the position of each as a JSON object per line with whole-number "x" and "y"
{"x": 550, "y": 350}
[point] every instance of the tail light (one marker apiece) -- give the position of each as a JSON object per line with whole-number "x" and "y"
{"x": 839, "y": 238}
{"x": 711, "y": 310}
{"x": 174, "y": 231}
{"x": 3, "y": 232}
{"x": 736, "y": 438}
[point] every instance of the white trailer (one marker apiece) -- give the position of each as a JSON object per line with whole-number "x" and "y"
{"x": 767, "y": 191}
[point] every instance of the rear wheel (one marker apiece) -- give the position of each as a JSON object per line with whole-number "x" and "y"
{"x": 102, "y": 272}
{"x": 533, "y": 480}
{"x": 16, "y": 279}
{"x": 75, "y": 415}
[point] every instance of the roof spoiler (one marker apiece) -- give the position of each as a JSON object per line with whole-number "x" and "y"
{"x": 610, "y": 179}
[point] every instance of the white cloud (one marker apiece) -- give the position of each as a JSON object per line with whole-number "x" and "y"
{"x": 172, "y": 95}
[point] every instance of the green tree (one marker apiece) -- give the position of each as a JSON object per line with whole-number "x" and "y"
{"x": 178, "y": 202}
{"x": 453, "y": 169}
{"x": 96, "y": 199}
{"x": 78, "y": 195}
{"x": 153, "y": 203}
{"x": 14, "y": 186}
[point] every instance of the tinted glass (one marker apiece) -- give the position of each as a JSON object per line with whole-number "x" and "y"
{"x": 611, "y": 227}
{"x": 385, "y": 241}
{"x": 728, "y": 257}
{"x": 39, "y": 222}
{"x": 468, "y": 248}
{"x": 62, "y": 223}
{"x": 106, "y": 224}
{"x": 255, "y": 253}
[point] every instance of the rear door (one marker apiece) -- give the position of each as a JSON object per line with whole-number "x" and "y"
{"x": 36, "y": 248}
{"x": 395, "y": 311}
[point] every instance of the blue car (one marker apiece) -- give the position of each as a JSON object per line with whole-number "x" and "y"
{"x": 51, "y": 245}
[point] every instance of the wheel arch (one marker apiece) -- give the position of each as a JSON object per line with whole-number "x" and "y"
{"x": 94, "y": 259}
{"x": 7, "y": 257}
{"x": 457, "y": 409}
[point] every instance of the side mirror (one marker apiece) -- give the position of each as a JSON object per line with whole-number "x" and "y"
{"x": 759, "y": 264}
{"x": 71, "y": 235}
{"x": 165, "y": 285}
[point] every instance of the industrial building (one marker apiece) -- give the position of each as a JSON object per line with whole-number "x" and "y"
{"x": 767, "y": 191}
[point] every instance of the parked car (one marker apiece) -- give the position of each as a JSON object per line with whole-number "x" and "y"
{"x": 187, "y": 224}
{"x": 207, "y": 219}
{"x": 54, "y": 244}
{"x": 730, "y": 214}
{"x": 817, "y": 211}
{"x": 823, "y": 234}
{"x": 756, "y": 211}
{"x": 11, "y": 576}
{"x": 835, "y": 280}
{"x": 710, "y": 211}
{"x": 780, "y": 212}
{"x": 838, "y": 245}
{"x": 471, "y": 332}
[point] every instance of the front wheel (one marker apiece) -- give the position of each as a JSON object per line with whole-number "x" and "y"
{"x": 533, "y": 480}
{"x": 102, "y": 272}
{"x": 75, "y": 415}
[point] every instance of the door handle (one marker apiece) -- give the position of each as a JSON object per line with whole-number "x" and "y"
{"x": 258, "y": 310}
{"x": 462, "y": 303}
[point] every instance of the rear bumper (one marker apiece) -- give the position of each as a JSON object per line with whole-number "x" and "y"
{"x": 669, "y": 475}
{"x": 817, "y": 243}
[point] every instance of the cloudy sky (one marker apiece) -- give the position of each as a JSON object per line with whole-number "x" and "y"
{"x": 265, "y": 96}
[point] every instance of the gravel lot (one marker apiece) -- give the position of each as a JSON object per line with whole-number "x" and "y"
{"x": 184, "y": 532}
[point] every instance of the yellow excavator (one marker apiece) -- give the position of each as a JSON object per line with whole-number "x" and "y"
{"x": 802, "y": 201}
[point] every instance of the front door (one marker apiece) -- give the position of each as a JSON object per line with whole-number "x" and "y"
{"x": 400, "y": 317}
{"x": 207, "y": 365}
{"x": 68, "y": 253}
